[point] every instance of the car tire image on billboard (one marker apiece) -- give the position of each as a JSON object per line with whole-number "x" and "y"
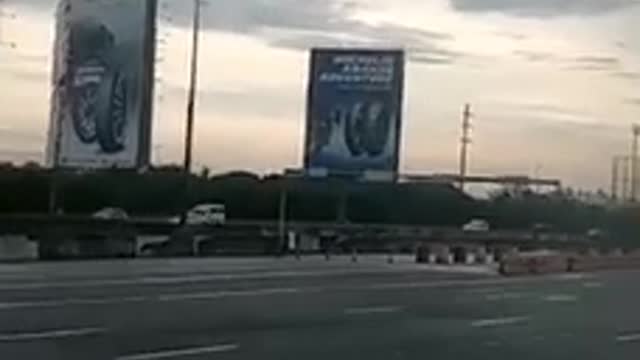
{"x": 354, "y": 111}
{"x": 112, "y": 108}
{"x": 100, "y": 90}
{"x": 103, "y": 83}
{"x": 367, "y": 129}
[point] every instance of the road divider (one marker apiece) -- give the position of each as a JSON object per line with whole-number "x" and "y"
{"x": 537, "y": 263}
{"x": 550, "y": 263}
{"x": 50, "y": 334}
{"x": 175, "y": 353}
{"x": 610, "y": 262}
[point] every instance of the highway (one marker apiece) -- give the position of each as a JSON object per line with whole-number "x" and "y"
{"x": 267, "y": 308}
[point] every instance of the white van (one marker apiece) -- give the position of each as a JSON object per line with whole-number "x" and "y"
{"x": 207, "y": 214}
{"x": 476, "y": 225}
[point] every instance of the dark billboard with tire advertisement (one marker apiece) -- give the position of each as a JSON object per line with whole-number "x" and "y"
{"x": 102, "y": 84}
{"x": 354, "y": 111}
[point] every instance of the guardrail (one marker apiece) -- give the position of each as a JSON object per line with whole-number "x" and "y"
{"x": 87, "y": 236}
{"x": 560, "y": 263}
{"x": 27, "y": 224}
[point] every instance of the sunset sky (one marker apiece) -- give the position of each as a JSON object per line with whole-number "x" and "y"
{"x": 554, "y": 84}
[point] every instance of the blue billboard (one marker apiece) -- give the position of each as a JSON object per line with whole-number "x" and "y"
{"x": 354, "y": 111}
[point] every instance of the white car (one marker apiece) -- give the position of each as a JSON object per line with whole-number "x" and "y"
{"x": 110, "y": 213}
{"x": 205, "y": 214}
{"x": 476, "y": 225}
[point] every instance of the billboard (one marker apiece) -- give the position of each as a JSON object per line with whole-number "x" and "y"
{"x": 354, "y": 111}
{"x": 102, "y": 84}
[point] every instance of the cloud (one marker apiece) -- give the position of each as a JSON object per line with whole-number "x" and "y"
{"x": 629, "y": 75}
{"x": 597, "y": 60}
{"x": 431, "y": 60}
{"x": 593, "y": 63}
{"x": 511, "y": 35}
{"x": 299, "y": 25}
{"x": 534, "y": 56}
{"x": 379, "y": 35}
{"x": 547, "y": 112}
{"x": 542, "y": 8}
{"x": 268, "y": 19}
{"x": 632, "y": 101}
{"x": 265, "y": 102}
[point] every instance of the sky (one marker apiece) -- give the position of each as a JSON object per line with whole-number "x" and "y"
{"x": 554, "y": 84}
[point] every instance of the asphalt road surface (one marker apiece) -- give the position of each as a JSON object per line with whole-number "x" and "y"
{"x": 311, "y": 309}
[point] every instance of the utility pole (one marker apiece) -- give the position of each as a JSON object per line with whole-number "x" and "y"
{"x": 615, "y": 163}
{"x": 191, "y": 104}
{"x": 635, "y": 129}
{"x": 465, "y": 140}
{"x": 625, "y": 178}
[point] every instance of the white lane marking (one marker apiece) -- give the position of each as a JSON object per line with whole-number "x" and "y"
{"x": 372, "y": 310}
{"x": 166, "y": 354}
{"x": 184, "y": 279}
{"x": 51, "y": 334}
{"x": 628, "y": 338}
{"x": 265, "y": 292}
{"x": 592, "y": 284}
{"x": 505, "y": 296}
{"x": 578, "y": 276}
{"x": 500, "y": 321}
{"x": 229, "y": 293}
{"x": 135, "y": 299}
{"x": 487, "y": 290}
{"x": 560, "y": 298}
{"x": 71, "y": 302}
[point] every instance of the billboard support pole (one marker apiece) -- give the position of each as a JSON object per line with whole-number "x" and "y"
{"x": 53, "y": 192}
{"x": 282, "y": 215}
{"x": 191, "y": 103}
{"x": 343, "y": 198}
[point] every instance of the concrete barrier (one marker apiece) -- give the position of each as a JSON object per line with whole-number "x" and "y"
{"x": 524, "y": 264}
{"x": 434, "y": 254}
{"x": 423, "y": 254}
{"x": 468, "y": 255}
{"x": 610, "y": 262}
{"x": 17, "y": 248}
{"x": 534, "y": 264}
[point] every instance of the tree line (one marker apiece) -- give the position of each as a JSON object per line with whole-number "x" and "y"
{"x": 161, "y": 191}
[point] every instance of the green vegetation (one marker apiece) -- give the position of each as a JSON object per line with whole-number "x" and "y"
{"x": 247, "y": 196}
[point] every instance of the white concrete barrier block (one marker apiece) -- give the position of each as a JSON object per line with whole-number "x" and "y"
{"x": 17, "y": 248}
{"x": 470, "y": 258}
